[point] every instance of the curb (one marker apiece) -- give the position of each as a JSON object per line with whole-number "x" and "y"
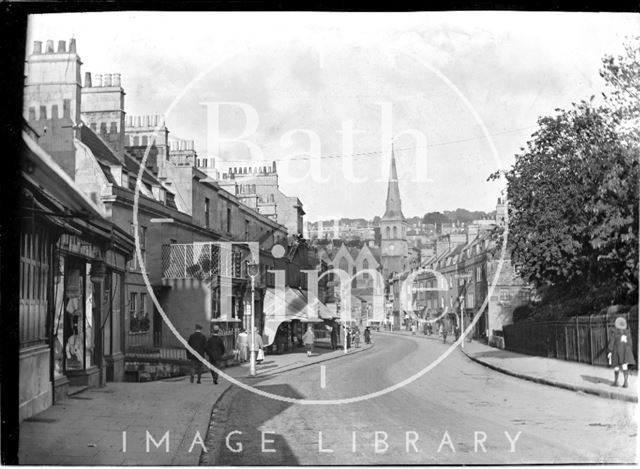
{"x": 570, "y": 387}
{"x": 205, "y": 457}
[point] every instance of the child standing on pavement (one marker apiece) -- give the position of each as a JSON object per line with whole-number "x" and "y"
{"x": 620, "y": 351}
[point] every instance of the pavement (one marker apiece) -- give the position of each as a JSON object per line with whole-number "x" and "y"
{"x": 574, "y": 376}
{"x": 110, "y": 425}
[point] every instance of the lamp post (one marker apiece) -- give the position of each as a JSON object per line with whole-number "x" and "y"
{"x": 252, "y": 270}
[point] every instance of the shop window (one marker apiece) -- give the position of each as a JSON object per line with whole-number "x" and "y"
{"x": 73, "y": 324}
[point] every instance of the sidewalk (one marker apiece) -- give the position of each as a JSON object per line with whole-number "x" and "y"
{"x": 87, "y": 428}
{"x": 579, "y": 377}
{"x": 574, "y": 376}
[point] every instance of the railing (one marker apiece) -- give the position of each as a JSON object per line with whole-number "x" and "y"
{"x": 166, "y": 348}
{"x": 202, "y": 261}
{"x": 583, "y": 338}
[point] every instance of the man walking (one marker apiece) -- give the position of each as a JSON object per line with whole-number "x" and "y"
{"x": 215, "y": 350}
{"x": 197, "y": 341}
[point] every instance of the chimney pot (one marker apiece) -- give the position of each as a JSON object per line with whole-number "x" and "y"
{"x": 72, "y": 46}
{"x": 106, "y": 79}
{"x": 49, "y": 49}
{"x": 37, "y": 47}
{"x": 62, "y": 47}
{"x": 97, "y": 80}
{"x": 87, "y": 79}
{"x": 116, "y": 79}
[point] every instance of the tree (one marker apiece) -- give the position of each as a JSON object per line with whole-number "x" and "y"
{"x": 573, "y": 197}
{"x": 433, "y": 218}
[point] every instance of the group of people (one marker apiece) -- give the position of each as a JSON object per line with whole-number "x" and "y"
{"x": 213, "y": 348}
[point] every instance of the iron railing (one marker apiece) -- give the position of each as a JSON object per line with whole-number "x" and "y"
{"x": 202, "y": 261}
{"x": 166, "y": 348}
{"x": 582, "y": 339}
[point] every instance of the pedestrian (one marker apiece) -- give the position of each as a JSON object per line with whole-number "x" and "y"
{"x": 197, "y": 341}
{"x": 444, "y": 333}
{"x": 215, "y": 350}
{"x": 367, "y": 335}
{"x": 334, "y": 337}
{"x": 257, "y": 344}
{"x": 620, "y": 351}
{"x": 308, "y": 339}
{"x": 356, "y": 337}
{"x": 243, "y": 345}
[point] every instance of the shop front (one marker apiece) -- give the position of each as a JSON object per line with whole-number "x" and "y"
{"x": 88, "y": 324}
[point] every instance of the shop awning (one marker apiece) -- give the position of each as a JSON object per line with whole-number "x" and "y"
{"x": 294, "y": 306}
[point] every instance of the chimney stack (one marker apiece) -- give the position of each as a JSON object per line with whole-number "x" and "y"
{"x": 62, "y": 47}
{"x": 49, "y": 46}
{"x": 72, "y": 46}
{"x": 87, "y": 80}
{"x": 37, "y": 47}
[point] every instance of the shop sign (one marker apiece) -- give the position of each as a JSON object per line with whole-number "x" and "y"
{"x": 76, "y": 245}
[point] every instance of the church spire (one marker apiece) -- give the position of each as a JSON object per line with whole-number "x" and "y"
{"x": 394, "y": 204}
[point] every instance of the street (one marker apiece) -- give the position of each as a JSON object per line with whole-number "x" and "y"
{"x": 459, "y": 413}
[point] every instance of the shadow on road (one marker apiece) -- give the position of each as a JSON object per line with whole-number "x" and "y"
{"x": 595, "y": 379}
{"x": 258, "y": 443}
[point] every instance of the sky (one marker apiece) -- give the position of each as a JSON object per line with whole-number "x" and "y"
{"x": 324, "y": 94}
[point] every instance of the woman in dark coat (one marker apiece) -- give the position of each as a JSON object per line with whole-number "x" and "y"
{"x": 620, "y": 351}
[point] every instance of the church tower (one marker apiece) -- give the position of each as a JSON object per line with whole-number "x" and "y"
{"x": 393, "y": 228}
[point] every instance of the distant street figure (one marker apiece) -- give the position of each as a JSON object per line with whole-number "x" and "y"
{"x": 367, "y": 335}
{"x": 334, "y": 337}
{"x": 620, "y": 351}
{"x": 308, "y": 339}
{"x": 444, "y": 332}
{"x": 197, "y": 341}
{"x": 215, "y": 350}
{"x": 243, "y": 346}
{"x": 356, "y": 337}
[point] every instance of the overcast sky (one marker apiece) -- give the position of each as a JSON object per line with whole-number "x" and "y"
{"x": 451, "y": 77}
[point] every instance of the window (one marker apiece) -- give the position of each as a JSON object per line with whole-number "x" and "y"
{"x": 133, "y": 321}
{"x": 524, "y": 295}
{"x": 470, "y": 299}
{"x": 395, "y": 232}
{"x": 504, "y": 294}
{"x": 206, "y": 212}
{"x": 344, "y": 265}
{"x": 478, "y": 274}
{"x": 143, "y": 316}
{"x": 228, "y": 219}
{"x": 365, "y": 266}
{"x": 246, "y": 230}
{"x": 388, "y": 232}
{"x": 143, "y": 242}
{"x": 133, "y": 263}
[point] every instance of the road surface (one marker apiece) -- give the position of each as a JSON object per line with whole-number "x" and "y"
{"x": 458, "y": 413}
